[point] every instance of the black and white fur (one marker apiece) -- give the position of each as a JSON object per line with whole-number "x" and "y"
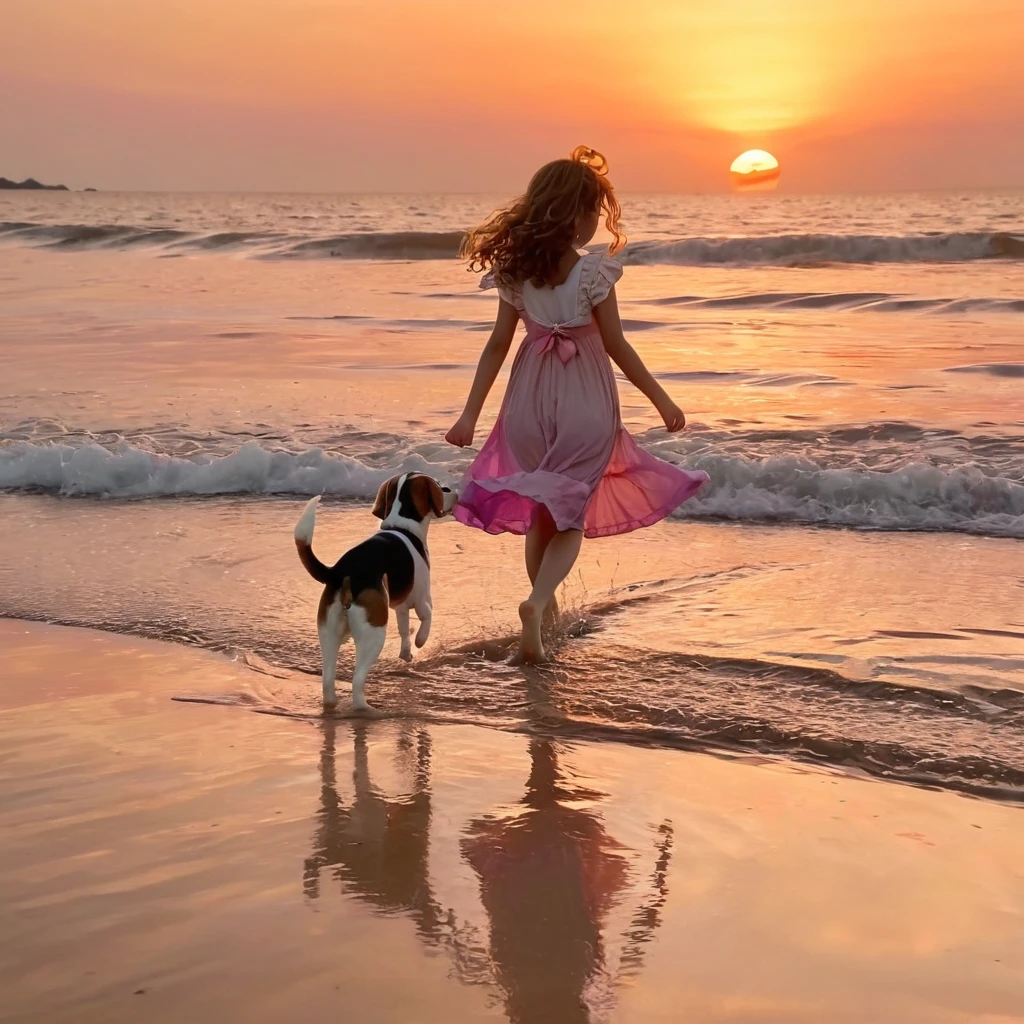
{"x": 389, "y": 570}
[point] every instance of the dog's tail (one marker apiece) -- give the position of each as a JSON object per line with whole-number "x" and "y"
{"x": 304, "y": 544}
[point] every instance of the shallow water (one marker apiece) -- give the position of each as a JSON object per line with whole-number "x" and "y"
{"x": 849, "y": 588}
{"x": 673, "y": 636}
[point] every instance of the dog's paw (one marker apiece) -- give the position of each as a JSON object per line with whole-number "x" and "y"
{"x": 405, "y": 655}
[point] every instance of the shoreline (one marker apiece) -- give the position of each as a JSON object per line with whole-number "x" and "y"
{"x": 555, "y": 728}
{"x": 668, "y": 638}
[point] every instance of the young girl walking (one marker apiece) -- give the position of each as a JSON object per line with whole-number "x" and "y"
{"x": 559, "y": 465}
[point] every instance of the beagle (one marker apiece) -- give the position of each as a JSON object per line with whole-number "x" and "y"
{"x": 390, "y": 570}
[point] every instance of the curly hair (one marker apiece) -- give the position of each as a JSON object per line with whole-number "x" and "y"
{"x": 525, "y": 241}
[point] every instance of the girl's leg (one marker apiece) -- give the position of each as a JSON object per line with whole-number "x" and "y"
{"x": 559, "y": 558}
{"x": 537, "y": 540}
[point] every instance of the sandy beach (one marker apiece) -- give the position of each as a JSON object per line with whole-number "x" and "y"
{"x": 167, "y": 862}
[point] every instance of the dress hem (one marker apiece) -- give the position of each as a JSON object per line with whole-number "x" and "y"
{"x": 466, "y": 514}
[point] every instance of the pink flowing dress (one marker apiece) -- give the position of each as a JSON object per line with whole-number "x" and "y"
{"x": 559, "y": 439}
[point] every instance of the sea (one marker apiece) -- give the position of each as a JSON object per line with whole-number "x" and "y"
{"x": 179, "y": 373}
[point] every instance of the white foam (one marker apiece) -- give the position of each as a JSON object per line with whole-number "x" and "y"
{"x": 913, "y": 497}
{"x": 785, "y": 488}
{"x": 128, "y": 472}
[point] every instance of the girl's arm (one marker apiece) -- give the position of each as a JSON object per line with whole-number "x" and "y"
{"x": 491, "y": 360}
{"x": 606, "y": 314}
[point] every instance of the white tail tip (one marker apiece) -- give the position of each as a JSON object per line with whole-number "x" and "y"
{"x": 304, "y": 527}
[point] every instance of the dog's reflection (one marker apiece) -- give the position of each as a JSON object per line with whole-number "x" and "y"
{"x": 378, "y": 847}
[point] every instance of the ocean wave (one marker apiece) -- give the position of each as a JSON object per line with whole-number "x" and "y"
{"x": 782, "y": 250}
{"x": 125, "y": 471}
{"x": 86, "y": 236}
{"x": 965, "y": 498}
{"x": 794, "y": 250}
{"x": 792, "y": 489}
{"x": 873, "y": 302}
{"x": 384, "y": 245}
{"x": 991, "y": 369}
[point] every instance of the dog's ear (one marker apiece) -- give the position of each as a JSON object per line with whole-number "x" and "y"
{"x": 386, "y": 498}
{"x": 436, "y": 497}
{"x": 426, "y": 496}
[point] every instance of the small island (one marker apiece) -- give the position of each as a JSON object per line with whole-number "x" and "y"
{"x": 31, "y": 183}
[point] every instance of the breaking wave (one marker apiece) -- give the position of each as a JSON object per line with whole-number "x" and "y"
{"x": 976, "y": 497}
{"x": 781, "y": 250}
{"x": 874, "y": 302}
{"x": 794, "y": 250}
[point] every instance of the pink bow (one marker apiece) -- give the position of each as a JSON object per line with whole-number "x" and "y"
{"x": 558, "y": 340}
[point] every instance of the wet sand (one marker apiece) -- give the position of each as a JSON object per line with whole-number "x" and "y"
{"x": 170, "y": 862}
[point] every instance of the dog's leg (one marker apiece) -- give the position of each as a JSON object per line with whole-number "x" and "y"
{"x": 425, "y": 613}
{"x": 402, "y": 618}
{"x": 369, "y": 633}
{"x": 332, "y": 628}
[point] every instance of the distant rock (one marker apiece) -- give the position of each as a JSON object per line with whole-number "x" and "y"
{"x": 31, "y": 183}
{"x": 88, "y": 190}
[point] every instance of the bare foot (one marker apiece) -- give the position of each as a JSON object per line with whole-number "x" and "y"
{"x": 531, "y": 647}
{"x": 363, "y": 711}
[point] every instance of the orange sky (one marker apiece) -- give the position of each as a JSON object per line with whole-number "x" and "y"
{"x": 462, "y": 95}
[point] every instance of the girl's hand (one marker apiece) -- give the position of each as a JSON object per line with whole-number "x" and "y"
{"x": 461, "y": 435}
{"x": 675, "y": 419}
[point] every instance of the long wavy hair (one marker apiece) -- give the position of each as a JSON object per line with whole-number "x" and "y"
{"x": 526, "y": 241}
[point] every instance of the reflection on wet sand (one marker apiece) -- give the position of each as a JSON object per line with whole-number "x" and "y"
{"x": 549, "y": 877}
{"x": 377, "y": 848}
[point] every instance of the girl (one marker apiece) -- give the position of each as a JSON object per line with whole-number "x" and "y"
{"x": 559, "y": 465}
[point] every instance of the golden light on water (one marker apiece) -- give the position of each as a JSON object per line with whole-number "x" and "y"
{"x": 755, "y": 169}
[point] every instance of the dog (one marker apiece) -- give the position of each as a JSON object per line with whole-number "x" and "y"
{"x": 390, "y": 570}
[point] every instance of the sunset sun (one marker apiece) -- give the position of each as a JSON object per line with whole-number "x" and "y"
{"x": 755, "y": 169}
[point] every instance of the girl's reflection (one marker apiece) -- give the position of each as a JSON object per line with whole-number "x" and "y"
{"x": 548, "y": 876}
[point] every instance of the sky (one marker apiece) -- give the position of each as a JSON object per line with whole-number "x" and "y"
{"x": 470, "y": 96}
